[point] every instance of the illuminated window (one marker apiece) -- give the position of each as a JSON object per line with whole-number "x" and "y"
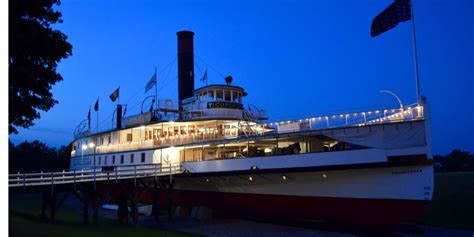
{"x": 129, "y": 137}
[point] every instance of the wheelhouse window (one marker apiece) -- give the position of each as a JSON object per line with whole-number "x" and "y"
{"x": 219, "y": 95}
{"x": 236, "y": 96}
{"x": 227, "y": 95}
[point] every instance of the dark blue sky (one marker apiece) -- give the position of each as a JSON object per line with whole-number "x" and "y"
{"x": 295, "y": 58}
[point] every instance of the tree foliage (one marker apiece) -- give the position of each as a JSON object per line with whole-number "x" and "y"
{"x": 36, "y": 156}
{"x": 35, "y": 49}
{"x": 455, "y": 161}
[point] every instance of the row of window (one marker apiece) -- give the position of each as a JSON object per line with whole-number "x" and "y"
{"x": 122, "y": 159}
{"x": 220, "y": 95}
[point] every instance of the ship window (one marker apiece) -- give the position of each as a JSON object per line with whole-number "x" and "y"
{"x": 121, "y": 159}
{"x": 143, "y": 157}
{"x": 100, "y": 160}
{"x": 131, "y": 158}
{"x": 219, "y": 95}
{"x": 235, "y": 96}
{"x": 227, "y": 95}
{"x": 204, "y": 96}
{"x": 105, "y": 160}
{"x": 129, "y": 137}
{"x": 113, "y": 160}
{"x": 110, "y": 139}
{"x": 101, "y": 140}
{"x": 74, "y": 147}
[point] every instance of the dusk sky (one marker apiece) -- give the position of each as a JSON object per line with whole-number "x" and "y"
{"x": 296, "y": 59}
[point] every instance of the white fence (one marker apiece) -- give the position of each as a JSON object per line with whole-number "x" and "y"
{"x": 91, "y": 175}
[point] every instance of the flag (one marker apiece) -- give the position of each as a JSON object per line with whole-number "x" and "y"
{"x": 150, "y": 83}
{"x": 89, "y": 118}
{"x": 398, "y": 11}
{"x": 114, "y": 95}
{"x": 96, "y": 106}
{"x": 204, "y": 77}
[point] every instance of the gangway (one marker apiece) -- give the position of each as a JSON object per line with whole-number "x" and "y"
{"x": 91, "y": 175}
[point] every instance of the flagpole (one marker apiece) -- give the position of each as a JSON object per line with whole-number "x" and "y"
{"x": 89, "y": 118}
{"x": 118, "y": 96}
{"x": 415, "y": 55}
{"x": 156, "y": 91}
{"x": 97, "y": 115}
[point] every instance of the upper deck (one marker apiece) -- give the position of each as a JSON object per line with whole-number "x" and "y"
{"x": 200, "y": 132}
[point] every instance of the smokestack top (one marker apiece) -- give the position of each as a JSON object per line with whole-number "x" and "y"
{"x": 185, "y": 34}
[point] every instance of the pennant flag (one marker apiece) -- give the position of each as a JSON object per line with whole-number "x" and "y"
{"x": 114, "y": 95}
{"x": 204, "y": 78}
{"x": 150, "y": 83}
{"x": 96, "y": 106}
{"x": 398, "y": 11}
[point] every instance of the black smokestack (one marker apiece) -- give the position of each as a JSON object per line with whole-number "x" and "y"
{"x": 119, "y": 116}
{"x": 185, "y": 64}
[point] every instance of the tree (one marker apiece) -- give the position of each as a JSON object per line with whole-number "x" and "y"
{"x": 36, "y": 156}
{"x": 35, "y": 50}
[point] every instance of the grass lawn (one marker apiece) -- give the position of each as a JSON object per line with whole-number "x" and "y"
{"x": 453, "y": 202}
{"x": 24, "y": 221}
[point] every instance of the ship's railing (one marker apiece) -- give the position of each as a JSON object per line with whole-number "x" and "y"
{"x": 92, "y": 175}
{"x": 359, "y": 119}
{"x": 168, "y": 141}
{"x": 194, "y": 110}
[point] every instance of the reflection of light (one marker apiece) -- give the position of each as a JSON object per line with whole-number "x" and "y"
{"x": 91, "y": 145}
{"x": 250, "y": 179}
{"x": 283, "y": 177}
{"x": 84, "y": 146}
{"x": 207, "y": 180}
{"x": 325, "y": 176}
{"x": 267, "y": 150}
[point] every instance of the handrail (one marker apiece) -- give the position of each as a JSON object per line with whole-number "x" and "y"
{"x": 88, "y": 175}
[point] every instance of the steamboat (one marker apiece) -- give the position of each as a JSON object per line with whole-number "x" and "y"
{"x": 371, "y": 167}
